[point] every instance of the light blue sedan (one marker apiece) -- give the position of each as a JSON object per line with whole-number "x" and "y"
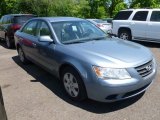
{"x": 88, "y": 63}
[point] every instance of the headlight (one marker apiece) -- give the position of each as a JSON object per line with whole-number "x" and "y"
{"x": 111, "y": 73}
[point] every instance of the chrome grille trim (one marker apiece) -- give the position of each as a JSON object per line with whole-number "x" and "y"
{"x": 145, "y": 69}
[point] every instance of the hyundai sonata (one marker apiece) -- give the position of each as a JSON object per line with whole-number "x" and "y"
{"x": 88, "y": 63}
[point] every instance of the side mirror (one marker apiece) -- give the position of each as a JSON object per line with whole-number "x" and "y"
{"x": 45, "y": 39}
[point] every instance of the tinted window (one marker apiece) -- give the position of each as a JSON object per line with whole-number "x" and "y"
{"x": 123, "y": 15}
{"x": 8, "y": 19}
{"x": 22, "y": 19}
{"x": 44, "y": 30}
{"x": 4, "y": 20}
{"x": 140, "y": 16}
{"x": 1, "y": 20}
{"x": 155, "y": 16}
{"x": 30, "y": 28}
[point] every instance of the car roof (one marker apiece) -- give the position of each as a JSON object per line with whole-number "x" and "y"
{"x": 92, "y": 19}
{"x": 141, "y": 9}
{"x": 57, "y": 19}
{"x": 19, "y": 15}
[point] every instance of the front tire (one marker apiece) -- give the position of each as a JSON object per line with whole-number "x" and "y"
{"x": 125, "y": 35}
{"x": 73, "y": 84}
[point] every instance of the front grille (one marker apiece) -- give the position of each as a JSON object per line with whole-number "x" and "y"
{"x": 145, "y": 69}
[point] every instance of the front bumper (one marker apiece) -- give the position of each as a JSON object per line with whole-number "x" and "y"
{"x": 115, "y": 90}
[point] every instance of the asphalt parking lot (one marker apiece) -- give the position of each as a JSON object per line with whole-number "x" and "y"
{"x": 30, "y": 93}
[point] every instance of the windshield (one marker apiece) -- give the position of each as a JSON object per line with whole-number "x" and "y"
{"x": 77, "y": 31}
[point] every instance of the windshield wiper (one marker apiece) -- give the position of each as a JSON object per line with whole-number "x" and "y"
{"x": 73, "y": 42}
{"x": 99, "y": 38}
{"x": 82, "y": 40}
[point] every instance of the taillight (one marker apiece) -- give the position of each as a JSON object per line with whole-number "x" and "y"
{"x": 15, "y": 27}
{"x": 100, "y": 25}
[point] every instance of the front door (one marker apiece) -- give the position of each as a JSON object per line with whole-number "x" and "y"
{"x": 45, "y": 50}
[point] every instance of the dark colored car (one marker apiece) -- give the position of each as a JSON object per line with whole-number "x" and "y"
{"x": 3, "y": 115}
{"x": 9, "y": 24}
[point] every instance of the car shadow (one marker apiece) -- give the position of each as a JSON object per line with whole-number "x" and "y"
{"x": 54, "y": 85}
{"x": 148, "y": 44}
{"x": 3, "y": 44}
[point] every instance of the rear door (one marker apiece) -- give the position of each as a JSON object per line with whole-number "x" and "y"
{"x": 139, "y": 25}
{"x": 153, "y": 27}
{"x": 27, "y": 37}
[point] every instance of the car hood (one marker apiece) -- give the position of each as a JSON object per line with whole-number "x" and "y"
{"x": 115, "y": 50}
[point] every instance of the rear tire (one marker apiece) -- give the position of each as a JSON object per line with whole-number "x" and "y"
{"x": 125, "y": 35}
{"x": 73, "y": 84}
{"x": 22, "y": 57}
{"x": 9, "y": 44}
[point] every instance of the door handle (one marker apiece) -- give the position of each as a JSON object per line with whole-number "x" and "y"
{"x": 34, "y": 45}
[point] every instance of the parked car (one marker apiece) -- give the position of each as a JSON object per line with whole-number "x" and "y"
{"x": 88, "y": 63}
{"x": 3, "y": 115}
{"x": 137, "y": 24}
{"x": 9, "y": 24}
{"x": 109, "y": 20}
{"x": 105, "y": 26}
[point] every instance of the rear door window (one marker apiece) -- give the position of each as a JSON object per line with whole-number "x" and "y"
{"x": 123, "y": 15}
{"x": 8, "y": 20}
{"x": 155, "y": 16}
{"x": 140, "y": 16}
{"x": 30, "y": 28}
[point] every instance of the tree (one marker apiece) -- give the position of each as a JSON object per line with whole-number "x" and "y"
{"x": 2, "y": 7}
{"x": 113, "y": 6}
{"x": 96, "y": 6}
{"x": 38, "y": 7}
{"x": 144, "y": 3}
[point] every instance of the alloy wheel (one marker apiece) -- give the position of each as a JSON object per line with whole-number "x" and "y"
{"x": 71, "y": 84}
{"x": 21, "y": 55}
{"x": 124, "y": 36}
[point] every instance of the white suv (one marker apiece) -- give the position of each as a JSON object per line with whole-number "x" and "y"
{"x": 137, "y": 24}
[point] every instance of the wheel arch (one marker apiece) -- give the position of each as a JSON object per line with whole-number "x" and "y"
{"x": 68, "y": 64}
{"x": 124, "y": 28}
{"x": 82, "y": 73}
